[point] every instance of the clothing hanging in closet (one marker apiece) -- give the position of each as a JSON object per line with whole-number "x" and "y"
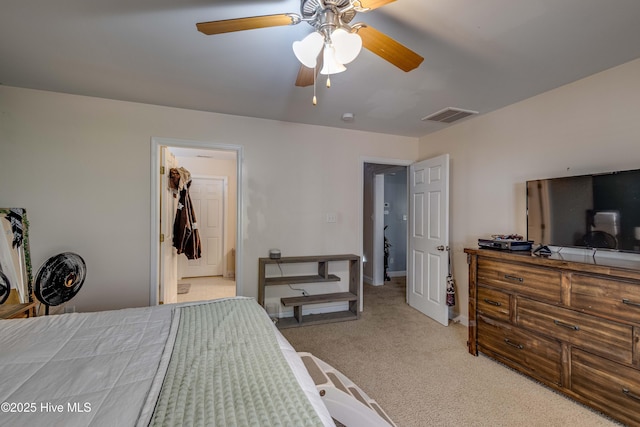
{"x": 186, "y": 238}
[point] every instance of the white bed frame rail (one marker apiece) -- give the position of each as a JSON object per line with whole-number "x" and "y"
{"x": 346, "y": 402}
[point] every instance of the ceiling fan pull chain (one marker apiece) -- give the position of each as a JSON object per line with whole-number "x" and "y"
{"x": 328, "y": 81}
{"x": 315, "y": 100}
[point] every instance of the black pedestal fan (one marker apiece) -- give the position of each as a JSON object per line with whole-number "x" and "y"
{"x": 59, "y": 279}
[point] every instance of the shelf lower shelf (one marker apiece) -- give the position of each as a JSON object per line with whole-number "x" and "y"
{"x": 315, "y": 319}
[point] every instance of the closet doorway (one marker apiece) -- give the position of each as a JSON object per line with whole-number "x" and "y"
{"x": 385, "y": 218}
{"x": 215, "y": 194}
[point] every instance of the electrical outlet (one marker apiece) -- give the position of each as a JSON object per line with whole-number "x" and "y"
{"x": 70, "y": 309}
{"x": 332, "y": 217}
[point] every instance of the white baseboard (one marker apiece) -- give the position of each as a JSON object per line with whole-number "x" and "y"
{"x": 369, "y": 280}
{"x": 464, "y": 320}
{"x": 397, "y": 273}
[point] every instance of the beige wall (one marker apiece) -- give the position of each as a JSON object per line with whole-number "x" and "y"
{"x": 592, "y": 125}
{"x": 81, "y": 168}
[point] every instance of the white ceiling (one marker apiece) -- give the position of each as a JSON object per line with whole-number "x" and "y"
{"x": 479, "y": 55}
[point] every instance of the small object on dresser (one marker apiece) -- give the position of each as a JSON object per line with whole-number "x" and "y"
{"x": 542, "y": 250}
{"x": 505, "y": 244}
{"x": 507, "y": 237}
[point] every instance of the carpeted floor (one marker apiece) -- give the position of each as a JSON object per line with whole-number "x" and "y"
{"x": 422, "y": 375}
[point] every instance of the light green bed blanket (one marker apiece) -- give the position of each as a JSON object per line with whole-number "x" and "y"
{"x": 227, "y": 370}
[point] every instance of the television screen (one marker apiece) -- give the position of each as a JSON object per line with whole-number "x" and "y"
{"x": 591, "y": 211}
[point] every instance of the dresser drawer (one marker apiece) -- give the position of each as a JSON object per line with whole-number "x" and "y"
{"x": 607, "y": 297}
{"x": 613, "y": 388}
{"x": 493, "y": 303}
{"x": 540, "y": 357}
{"x": 536, "y": 282}
{"x": 607, "y": 338}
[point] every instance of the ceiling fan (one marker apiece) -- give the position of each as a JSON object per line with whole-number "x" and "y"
{"x": 335, "y": 41}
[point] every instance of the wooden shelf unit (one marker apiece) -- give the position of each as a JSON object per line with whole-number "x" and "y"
{"x": 323, "y": 276}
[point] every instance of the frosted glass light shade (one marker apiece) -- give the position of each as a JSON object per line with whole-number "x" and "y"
{"x": 347, "y": 45}
{"x": 308, "y": 49}
{"x": 330, "y": 65}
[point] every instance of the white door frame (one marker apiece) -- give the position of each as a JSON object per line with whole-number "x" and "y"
{"x": 378, "y": 224}
{"x": 382, "y": 161}
{"x": 168, "y": 273}
{"x": 156, "y": 143}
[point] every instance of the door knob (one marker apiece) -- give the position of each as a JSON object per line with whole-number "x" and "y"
{"x": 440, "y": 248}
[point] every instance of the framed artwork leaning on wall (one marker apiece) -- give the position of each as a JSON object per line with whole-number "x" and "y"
{"x": 16, "y": 279}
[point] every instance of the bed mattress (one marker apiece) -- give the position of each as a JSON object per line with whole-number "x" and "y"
{"x": 108, "y": 368}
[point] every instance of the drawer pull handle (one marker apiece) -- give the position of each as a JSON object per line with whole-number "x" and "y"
{"x": 515, "y": 278}
{"x": 496, "y": 303}
{"x": 628, "y": 302}
{"x": 630, "y": 394}
{"x": 566, "y": 325}
{"x": 512, "y": 344}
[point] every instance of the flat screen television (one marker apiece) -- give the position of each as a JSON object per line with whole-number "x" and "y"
{"x": 589, "y": 211}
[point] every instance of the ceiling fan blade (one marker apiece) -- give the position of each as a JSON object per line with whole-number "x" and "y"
{"x": 389, "y": 49}
{"x": 242, "y": 24}
{"x": 373, "y": 4}
{"x": 306, "y": 74}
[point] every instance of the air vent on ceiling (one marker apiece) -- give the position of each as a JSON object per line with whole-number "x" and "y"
{"x": 449, "y": 115}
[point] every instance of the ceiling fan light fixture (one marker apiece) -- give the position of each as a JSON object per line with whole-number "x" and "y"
{"x": 330, "y": 64}
{"x": 308, "y": 49}
{"x": 347, "y": 45}
{"x": 331, "y": 19}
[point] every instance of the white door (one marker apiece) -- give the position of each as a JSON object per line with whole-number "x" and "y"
{"x": 207, "y": 198}
{"x": 429, "y": 237}
{"x": 168, "y": 254}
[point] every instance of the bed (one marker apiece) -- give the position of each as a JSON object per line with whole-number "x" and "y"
{"x": 220, "y": 363}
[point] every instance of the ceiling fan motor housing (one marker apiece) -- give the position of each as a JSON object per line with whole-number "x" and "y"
{"x": 325, "y": 13}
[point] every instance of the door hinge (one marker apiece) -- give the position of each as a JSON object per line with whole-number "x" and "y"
{"x": 161, "y": 170}
{"x": 161, "y": 237}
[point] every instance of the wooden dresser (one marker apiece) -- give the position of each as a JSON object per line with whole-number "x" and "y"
{"x": 573, "y": 325}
